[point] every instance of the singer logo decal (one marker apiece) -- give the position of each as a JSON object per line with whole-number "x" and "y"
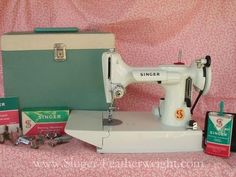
{"x": 179, "y": 114}
{"x": 150, "y": 74}
{"x": 28, "y": 123}
{"x": 219, "y": 122}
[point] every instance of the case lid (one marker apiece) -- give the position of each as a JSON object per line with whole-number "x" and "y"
{"x": 46, "y": 41}
{"x": 40, "y": 70}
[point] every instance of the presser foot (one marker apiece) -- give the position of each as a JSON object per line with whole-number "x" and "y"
{"x": 108, "y": 119}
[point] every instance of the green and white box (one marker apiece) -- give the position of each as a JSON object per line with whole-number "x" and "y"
{"x": 37, "y": 121}
{"x": 56, "y": 67}
{"x": 219, "y": 134}
{"x": 9, "y": 114}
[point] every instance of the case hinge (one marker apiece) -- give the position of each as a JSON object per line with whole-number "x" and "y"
{"x": 60, "y": 52}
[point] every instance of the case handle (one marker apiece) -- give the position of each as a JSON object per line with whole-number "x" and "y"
{"x": 56, "y": 30}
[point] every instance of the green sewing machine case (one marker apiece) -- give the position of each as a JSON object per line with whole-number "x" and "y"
{"x": 55, "y": 67}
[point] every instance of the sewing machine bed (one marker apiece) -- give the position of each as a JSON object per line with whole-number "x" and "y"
{"x": 140, "y": 132}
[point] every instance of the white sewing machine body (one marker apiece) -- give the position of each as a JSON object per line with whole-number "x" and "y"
{"x": 163, "y": 130}
{"x": 140, "y": 132}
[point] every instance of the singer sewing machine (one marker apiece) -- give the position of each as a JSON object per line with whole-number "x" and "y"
{"x": 169, "y": 128}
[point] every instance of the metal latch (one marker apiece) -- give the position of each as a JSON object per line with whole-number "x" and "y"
{"x": 60, "y": 52}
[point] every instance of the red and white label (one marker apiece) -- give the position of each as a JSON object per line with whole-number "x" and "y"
{"x": 217, "y": 149}
{"x": 9, "y": 117}
{"x": 42, "y": 128}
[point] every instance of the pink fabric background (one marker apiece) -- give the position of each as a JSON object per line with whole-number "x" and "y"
{"x": 148, "y": 33}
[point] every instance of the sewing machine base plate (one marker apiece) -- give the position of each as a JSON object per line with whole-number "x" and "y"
{"x": 140, "y": 132}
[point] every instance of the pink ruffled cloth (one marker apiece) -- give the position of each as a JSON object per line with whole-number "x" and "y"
{"x": 148, "y": 33}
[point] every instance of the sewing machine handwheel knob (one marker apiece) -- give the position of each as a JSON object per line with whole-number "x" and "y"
{"x": 208, "y": 63}
{"x": 118, "y": 91}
